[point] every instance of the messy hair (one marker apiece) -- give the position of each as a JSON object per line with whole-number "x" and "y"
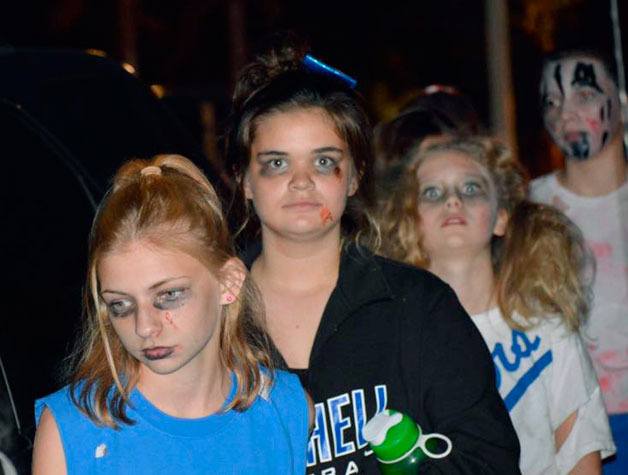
{"x": 276, "y": 81}
{"x": 541, "y": 264}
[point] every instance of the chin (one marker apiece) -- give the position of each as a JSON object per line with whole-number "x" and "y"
{"x": 303, "y": 235}
{"x": 455, "y": 241}
{"x": 304, "y": 230}
{"x": 162, "y": 369}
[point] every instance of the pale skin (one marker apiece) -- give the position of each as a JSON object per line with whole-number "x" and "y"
{"x": 457, "y": 230}
{"x": 299, "y": 178}
{"x": 581, "y": 104}
{"x": 166, "y": 307}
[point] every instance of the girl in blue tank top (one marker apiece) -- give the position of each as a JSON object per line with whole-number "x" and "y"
{"x": 172, "y": 373}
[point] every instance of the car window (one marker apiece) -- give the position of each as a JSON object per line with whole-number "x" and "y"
{"x": 46, "y": 212}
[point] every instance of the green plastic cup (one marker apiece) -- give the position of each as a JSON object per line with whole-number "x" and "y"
{"x": 399, "y": 444}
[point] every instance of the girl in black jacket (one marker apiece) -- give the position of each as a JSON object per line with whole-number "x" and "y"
{"x": 363, "y": 333}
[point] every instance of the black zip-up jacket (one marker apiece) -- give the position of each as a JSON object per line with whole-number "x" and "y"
{"x": 393, "y": 336}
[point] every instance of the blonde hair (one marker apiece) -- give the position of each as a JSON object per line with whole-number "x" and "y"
{"x": 168, "y": 201}
{"x": 540, "y": 263}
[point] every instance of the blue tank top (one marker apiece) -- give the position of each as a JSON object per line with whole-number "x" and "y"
{"x": 270, "y": 437}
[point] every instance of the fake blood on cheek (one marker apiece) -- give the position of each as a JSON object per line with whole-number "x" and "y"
{"x": 325, "y": 215}
{"x": 169, "y": 319}
{"x": 594, "y": 125}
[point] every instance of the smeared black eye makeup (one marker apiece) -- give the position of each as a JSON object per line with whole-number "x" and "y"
{"x": 272, "y": 164}
{"x": 120, "y": 307}
{"x": 169, "y": 299}
{"x": 468, "y": 191}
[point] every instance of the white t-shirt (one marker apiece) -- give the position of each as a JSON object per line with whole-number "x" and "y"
{"x": 544, "y": 375}
{"x": 604, "y": 223}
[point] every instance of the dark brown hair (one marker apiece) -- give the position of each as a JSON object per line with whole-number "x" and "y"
{"x": 276, "y": 81}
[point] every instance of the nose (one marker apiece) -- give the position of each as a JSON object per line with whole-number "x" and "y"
{"x": 301, "y": 179}
{"x": 148, "y": 322}
{"x": 453, "y": 201}
{"x": 567, "y": 111}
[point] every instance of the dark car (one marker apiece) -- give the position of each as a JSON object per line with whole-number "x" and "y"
{"x": 67, "y": 121}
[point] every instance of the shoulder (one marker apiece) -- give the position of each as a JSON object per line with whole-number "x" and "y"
{"x": 292, "y": 406}
{"x": 427, "y": 306}
{"x": 48, "y": 453}
{"x": 553, "y": 328}
{"x": 570, "y": 359}
{"x": 286, "y": 388}
{"x": 366, "y": 278}
{"x": 73, "y": 425}
{"x": 418, "y": 296}
{"x": 58, "y": 403}
{"x": 550, "y": 329}
{"x": 404, "y": 279}
{"x": 58, "y": 420}
{"x": 541, "y": 187}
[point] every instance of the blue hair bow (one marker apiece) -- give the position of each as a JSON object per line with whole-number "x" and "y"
{"x": 317, "y": 66}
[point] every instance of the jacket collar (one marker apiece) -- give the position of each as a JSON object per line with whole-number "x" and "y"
{"x": 360, "y": 281}
{"x": 360, "y": 278}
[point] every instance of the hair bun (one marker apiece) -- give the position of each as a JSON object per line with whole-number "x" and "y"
{"x": 280, "y": 52}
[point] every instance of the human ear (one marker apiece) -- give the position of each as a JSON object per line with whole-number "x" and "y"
{"x": 354, "y": 183}
{"x": 501, "y": 223}
{"x": 232, "y": 276}
{"x": 246, "y": 186}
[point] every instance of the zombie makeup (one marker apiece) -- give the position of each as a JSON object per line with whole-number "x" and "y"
{"x": 171, "y": 298}
{"x": 325, "y": 162}
{"x": 120, "y": 307}
{"x": 457, "y": 204}
{"x": 469, "y": 191}
{"x": 169, "y": 319}
{"x": 580, "y": 105}
{"x": 164, "y": 300}
{"x": 325, "y": 215}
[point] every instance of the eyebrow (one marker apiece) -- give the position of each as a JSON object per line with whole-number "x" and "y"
{"x": 272, "y": 153}
{"x": 277, "y": 153}
{"x": 328, "y": 149}
{"x": 466, "y": 177}
{"x": 152, "y": 287}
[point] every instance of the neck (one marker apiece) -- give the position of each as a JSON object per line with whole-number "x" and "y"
{"x": 298, "y": 265}
{"x": 471, "y": 277}
{"x": 598, "y": 175}
{"x": 186, "y": 395}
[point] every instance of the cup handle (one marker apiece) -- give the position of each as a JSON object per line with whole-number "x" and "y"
{"x": 424, "y": 438}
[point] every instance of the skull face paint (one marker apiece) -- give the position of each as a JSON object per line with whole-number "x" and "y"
{"x": 580, "y": 105}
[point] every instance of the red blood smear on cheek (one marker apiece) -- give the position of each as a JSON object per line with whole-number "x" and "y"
{"x": 325, "y": 215}
{"x": 338, "y": 173}
{"x": 594, "y": 125}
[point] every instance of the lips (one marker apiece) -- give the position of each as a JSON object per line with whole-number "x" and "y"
{"x": 158, "y": 352}
{"x": 453, "y": 221}
{"x": 572, "y": 136}
{"x": 302, "y": 205}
